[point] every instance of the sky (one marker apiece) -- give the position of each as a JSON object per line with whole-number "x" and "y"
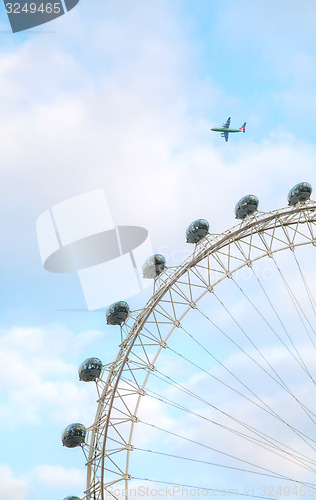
{"x": 122, "y": 96}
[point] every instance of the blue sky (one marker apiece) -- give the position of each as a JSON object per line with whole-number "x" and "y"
{"x": 121, "y": 96}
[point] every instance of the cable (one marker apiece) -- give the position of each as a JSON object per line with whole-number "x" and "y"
{"x": 281, "y": 476}
{"x": 257, "y": 442}
{"x": 217, "y": 465}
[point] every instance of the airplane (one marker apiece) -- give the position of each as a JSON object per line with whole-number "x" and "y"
{"x": 225, "y": 130}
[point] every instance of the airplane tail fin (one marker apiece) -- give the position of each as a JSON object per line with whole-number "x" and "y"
{"x": 243, "y": 128}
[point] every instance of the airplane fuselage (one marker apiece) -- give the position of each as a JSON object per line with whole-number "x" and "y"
{"x": 230, "y": 130}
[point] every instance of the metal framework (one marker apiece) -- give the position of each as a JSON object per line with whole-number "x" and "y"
{"x": 145, "y": 334}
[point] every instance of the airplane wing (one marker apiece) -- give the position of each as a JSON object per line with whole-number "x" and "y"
{"x": 227, "y": 124}
{"x": 226, "y": 136}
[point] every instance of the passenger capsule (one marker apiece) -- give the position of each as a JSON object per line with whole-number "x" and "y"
{"x": 90, "y": 369}
{"x": 197, "y": 230}
{"x": 300, "y": 192}
{"x": 246, "y": 206}
{"x": 154, "y": 266}
{"x": 72, "y": 498}
{"x": 117, "y": 313}
{"x": 74, "y": 435}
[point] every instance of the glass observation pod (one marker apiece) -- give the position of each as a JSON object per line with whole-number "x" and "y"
{"x": 117, "y": 313}
{"x": 72, "y": 498}
{"x": 154, "y": 266}
{"x": 74, "y": 435}
{"x": 246, "y": 206}
{"x": 197, "y": 230}
{"x": 300, "y": 192}
{"x": 90, "y": 369}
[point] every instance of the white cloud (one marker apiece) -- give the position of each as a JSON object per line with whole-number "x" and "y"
{"x": 43, "y": 379}
{"x": 133, "y": 131}
{"x": 56, "y": 476}
{"x": 11, "y": 486}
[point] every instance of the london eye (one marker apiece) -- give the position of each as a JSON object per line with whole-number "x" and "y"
{"x": 212, "y": 388}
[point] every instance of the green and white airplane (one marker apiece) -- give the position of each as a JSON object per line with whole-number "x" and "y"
{"x": 225, "y": 130}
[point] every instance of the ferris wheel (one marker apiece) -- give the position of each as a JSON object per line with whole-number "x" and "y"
{"x": 212, "y": 389}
